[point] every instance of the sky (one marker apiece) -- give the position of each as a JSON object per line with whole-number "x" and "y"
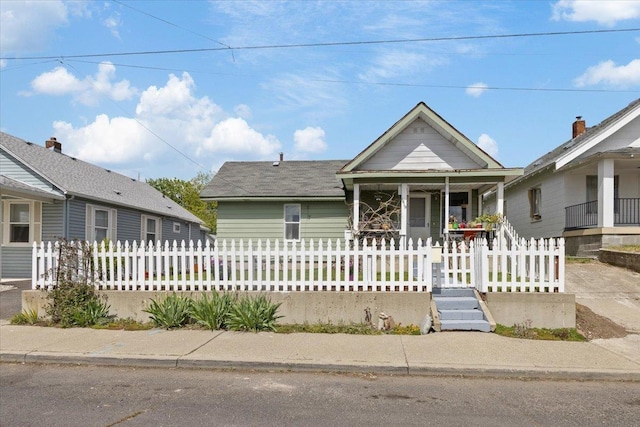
{"x": 172, "y": 88}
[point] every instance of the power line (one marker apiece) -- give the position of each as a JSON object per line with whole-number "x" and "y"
{"x": 391, "y": 84}
{"x": 329, "y": 44}
{"x": 199, "y": 165}
{"x": 171, "y": 23}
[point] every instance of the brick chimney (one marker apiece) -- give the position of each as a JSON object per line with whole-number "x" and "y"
{"x": 53, "y": 142}
{"x": 579, "y": 126}
{"x": 281, "y": 156}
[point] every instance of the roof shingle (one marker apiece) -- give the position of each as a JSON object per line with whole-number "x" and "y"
{"x": 76, "y": 177}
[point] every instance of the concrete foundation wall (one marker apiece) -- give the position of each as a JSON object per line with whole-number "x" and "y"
{"x": 630, "y": 260}
{"x": 543, "y": 310}
{"x": 586, "y": 243}
{"x": 297, "y": 307}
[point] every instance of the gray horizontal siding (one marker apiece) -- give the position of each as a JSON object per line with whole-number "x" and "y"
{"x": 16, "y": 262}
{"x": 14, "y": 169}
{"x": 265, "y": 220}
{"x": 52, "y": 221}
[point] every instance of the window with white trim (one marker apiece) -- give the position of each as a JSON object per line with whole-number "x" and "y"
{"x": 22, "y": 220}
{"x": 535, "y": 201}
{"x": 101, "y": 224}
{"x": 176, "y": 227}
{"x": 151, "y": 229}
{"x": 292, "y": 222}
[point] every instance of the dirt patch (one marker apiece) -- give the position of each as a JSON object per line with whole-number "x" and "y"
{"x": 593, "y": 326}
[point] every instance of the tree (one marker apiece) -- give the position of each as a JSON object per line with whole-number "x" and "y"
{"x": 187, "y": 195}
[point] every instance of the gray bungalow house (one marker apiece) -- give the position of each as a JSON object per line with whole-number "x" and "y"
{"x": 46, "y": 195}
{"x": 586, "y": 190}
{"x": 421, "y": 168}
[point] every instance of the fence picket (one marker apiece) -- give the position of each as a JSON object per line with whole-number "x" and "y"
{"x": 375, "y": 265}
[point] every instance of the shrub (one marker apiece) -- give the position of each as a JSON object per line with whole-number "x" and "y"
{"x": 253, "y": 314}
{"x": 171, "y": 312}
{"x": 73, "y": 300}
{"x": 95, "y": 312}
{"x": 26, "y": 317}
{"x": 213, "y": 313}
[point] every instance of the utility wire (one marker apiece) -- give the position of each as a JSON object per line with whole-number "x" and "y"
{"x": 330, "y": 44}
{"x": 199, "y": 165}
{"x": 174, "y": 25}
{"x": 391, "y": 84}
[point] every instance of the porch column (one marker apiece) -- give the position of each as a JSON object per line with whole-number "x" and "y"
{"x": 500, "y": 199}
{"x": 404, "y": 192}
{"x": 446, "y": 205}
{"x": 356, "y": 209}
{"x": 605, "y": 193}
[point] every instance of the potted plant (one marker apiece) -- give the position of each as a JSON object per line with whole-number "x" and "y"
{"x": 489, "y": 220}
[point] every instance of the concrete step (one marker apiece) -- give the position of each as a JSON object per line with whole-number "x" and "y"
{"x": 455, "y": 303}
{"x": 461, "y": 314}
{"x": 453, "y": 292}
{"x": 465, "y": 325}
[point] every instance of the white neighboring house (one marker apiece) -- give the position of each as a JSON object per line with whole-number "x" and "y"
{"x": 587, "y": 190}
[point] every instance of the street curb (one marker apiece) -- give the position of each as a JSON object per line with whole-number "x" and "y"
{"x": 177, "y": 362}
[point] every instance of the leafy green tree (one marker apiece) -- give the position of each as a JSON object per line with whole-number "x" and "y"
{"x": 187, "y": 195}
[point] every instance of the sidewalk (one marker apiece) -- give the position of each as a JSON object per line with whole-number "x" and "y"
{"x": 445, "y": 353}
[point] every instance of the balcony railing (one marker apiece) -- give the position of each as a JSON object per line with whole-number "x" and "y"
{"x": 626, "y": 211}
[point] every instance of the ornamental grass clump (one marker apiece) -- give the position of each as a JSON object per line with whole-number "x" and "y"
{"x": 213, "y": 312}
{"x": 173, "y": 311}
{"x": 253, "y": 314}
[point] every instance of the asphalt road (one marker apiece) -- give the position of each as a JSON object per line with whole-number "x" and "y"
{"x": 63, "y": 395}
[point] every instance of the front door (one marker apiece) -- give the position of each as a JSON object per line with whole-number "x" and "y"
{"x": 419, "y": 209}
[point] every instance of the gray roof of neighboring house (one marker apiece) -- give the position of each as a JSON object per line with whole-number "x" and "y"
{"x": 556, "y": 153}
{"x": 76, "y": 177}
{"x": 21, "y": 187}
{"x": 290, "y": 179}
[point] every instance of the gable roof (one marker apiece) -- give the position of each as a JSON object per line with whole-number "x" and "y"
{"x": 276, "y": 180}
{"x": 573, "y": 148}
{"x": 451, "y": 134}
{"x": 74, "y": 177}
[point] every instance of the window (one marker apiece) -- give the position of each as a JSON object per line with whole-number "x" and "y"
{"x": 535, "y": 199}
{"x": 176, "y": 227}
{"x": 458, "y": 207}
{"x": 150, "y": 230}
{"x": 101, "y": 224}
{"x": 22, "y": 222}
{"x": 292, "y": 222}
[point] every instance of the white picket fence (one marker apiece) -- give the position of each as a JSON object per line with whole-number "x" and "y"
{"x": 323, "y": 265}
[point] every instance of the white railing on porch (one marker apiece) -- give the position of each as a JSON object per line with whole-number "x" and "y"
{"x": 323, "y": 265}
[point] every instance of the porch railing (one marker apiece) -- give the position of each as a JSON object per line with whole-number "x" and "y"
{"x": 334, "y": 266}
{"x": 626, "y": 211}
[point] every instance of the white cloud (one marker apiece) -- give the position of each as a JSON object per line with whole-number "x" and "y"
{"x": 113, "y": 141}
{"x": 394, "y": 63}
{"x": 60, "y": 82}
{"x": 29, "y": 26}
{"x": 309, "y": 140}
{"x": 607, "y": 12}
{"x": 243, "y": 111}
{"x": 234, "y": 135}
{"x": 113, "y": 23}
{"x": 607, "y": 72}
{"x": 310, "y": 91}
{"x": 169, "y": 119}
{"x": 488, "y": 144}
{"x": 476, "y": 89}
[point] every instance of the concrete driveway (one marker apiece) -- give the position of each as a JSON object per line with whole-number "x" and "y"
{"x": 609, "y": 291}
